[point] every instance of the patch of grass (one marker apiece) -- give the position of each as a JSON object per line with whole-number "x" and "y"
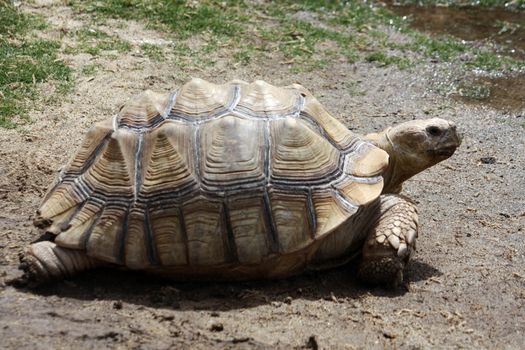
{"x": 95, "y": 41}
{"x": 369, "y": 21}
{"x": 309, "y": 34}
{"x": 251, "y": 30}
{"x": 195, "y": 57}
{"x": 153, "y": 52}
{"x": 445, "y": 48}
{"x": 510, "y": 4}
{"x": 244, "y": 55}
{"x": 299, "y": 38}
{"x": 90, "y": 69}
{"x": 491, "y": 61}
{"x": 181, "y": 17}
{"x": 385, "y": 60}
{"x": 364, "y": 16}
{"x": 449, "y": 49}
{"x": 13, "y": 22}
{"x": 24, "y": 62}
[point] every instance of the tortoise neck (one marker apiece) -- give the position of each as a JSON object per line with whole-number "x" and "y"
{"x": 397, "y": 172}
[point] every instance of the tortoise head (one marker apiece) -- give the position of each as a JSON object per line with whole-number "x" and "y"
{"x": 414, "y": 146}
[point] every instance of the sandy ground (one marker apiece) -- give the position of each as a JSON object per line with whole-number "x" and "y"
{"x": 466, "y": 282}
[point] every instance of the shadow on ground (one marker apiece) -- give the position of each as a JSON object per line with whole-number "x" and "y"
{"x": 151, "y": 291}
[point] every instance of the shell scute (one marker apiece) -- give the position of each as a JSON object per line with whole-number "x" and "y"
{"x": 251, "y": 231}
{"x": 166, "y": 160}
{"x": 105, "y": 237}
{"x": 368, "y": 161}
{"x": 136, "y": 252}
{"x": 204, "y": 226}
{"x": 333, "y": 128}
{"x": 299, "y": 153}
{"x": 199, "y": 99}
{"x": 262, "y": 99}
{"x": 233, "y": 151}
{"x": 329, "y": 212}
{"x": 74, "y": 236}
{"x": 293, "y": 221}
{"x": 111, "y": 172}
{"x": 169, "y": 236}
{"x": 146, "y": 110}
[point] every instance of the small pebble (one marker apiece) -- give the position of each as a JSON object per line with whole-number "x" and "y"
{"x": 487, "y": 160}
{"x": 117, "y": 305}
{"x": 389, "y": 335}
{"x": 216, "y": 327}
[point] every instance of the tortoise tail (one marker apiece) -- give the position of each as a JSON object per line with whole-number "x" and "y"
{"x": 44, "y": 262}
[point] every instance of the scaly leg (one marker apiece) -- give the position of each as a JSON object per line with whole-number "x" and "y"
{"x": 44, "y": 262}
{"x": 390, "y": 242}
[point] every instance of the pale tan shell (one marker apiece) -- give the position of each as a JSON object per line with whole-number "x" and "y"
{"x": 212, "y": 176}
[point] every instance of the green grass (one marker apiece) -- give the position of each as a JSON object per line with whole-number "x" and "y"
{"x": 228, "y": 23}
{"x": 25, "y": 62}
{"x": 90, "y": 69}
{"x": 300, "y": 42}
{"x": 153, "y": 52}
{"x": 352, "y": 30}
{"x": 13, "y": 22}
{"x": 304, "y": 35}
{"x": 182, "y": 17}
{"x": 244, "y": 55}
{"x": 444, "y": 48}
{"x": 491, "y": 61}
{"x": 511, "y": 4}
{"x": 385, "y": 60}
{"x": 95, "y": 42}
{"x": 358, "y": 14}
{"x": 196, "y": 57}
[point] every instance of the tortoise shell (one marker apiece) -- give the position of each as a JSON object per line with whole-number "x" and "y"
{"x": 240, "y": 174}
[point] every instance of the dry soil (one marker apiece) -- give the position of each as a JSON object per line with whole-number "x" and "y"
{"x": 465, "y": 284}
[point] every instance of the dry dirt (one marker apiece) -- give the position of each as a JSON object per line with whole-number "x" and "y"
{"x": 466, "y": 282}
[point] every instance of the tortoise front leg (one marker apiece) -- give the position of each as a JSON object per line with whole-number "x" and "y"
{"x": 43, "y": 262}
{"x": 390, "y": 242}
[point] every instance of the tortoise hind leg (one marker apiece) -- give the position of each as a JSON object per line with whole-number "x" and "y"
{"x": 390, "y": 242}
{"x": 44, "y": 262}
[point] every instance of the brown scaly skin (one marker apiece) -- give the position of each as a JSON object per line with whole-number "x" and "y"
{"x": 413, "y": 147}
{"x": 44, "y": 262}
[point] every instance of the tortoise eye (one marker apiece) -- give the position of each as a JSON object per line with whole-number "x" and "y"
{"x": 433, "y": 130}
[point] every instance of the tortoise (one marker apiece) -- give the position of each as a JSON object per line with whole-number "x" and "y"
{"x": 235, "y": 182}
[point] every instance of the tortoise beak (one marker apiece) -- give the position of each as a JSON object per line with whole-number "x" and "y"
{"x": 443, "y": 152}
{"x": 454, "y": 134}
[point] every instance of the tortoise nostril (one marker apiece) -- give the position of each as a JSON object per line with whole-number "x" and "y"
{"x": 433, "y": 130}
